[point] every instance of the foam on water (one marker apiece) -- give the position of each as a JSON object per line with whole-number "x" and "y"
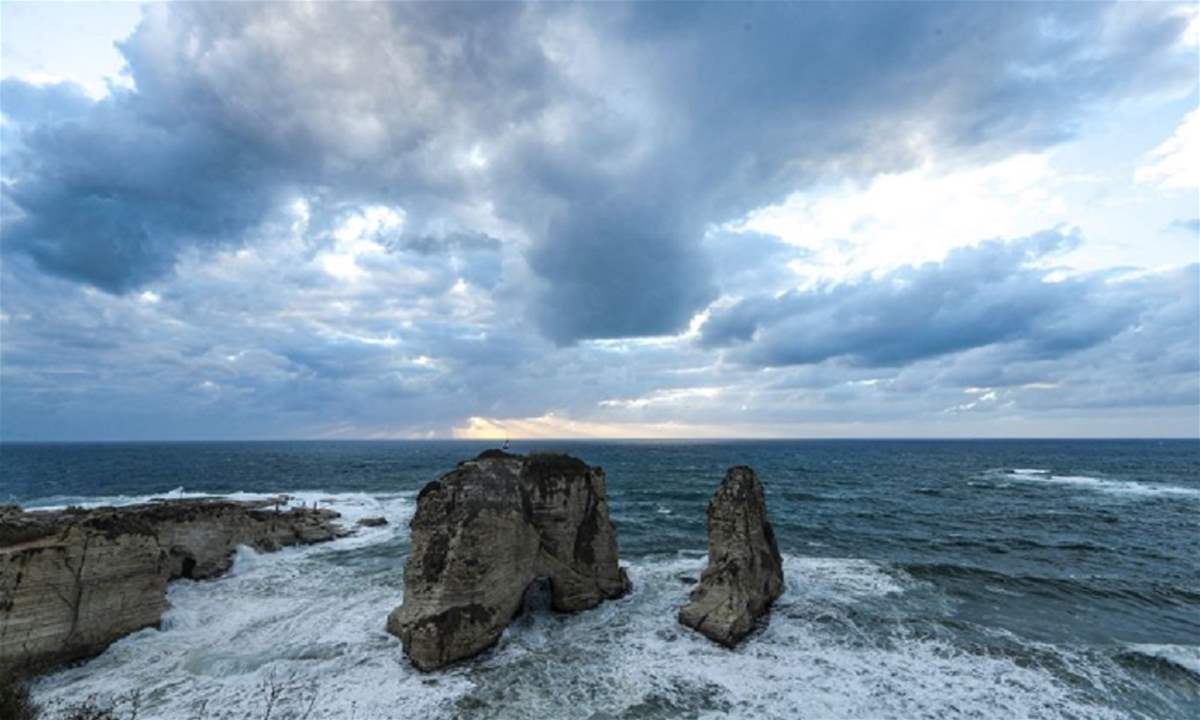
{"x": 307, "y": 618}
{"x": 1185, "y": 656}
{"x": 1104, "y": 485}
{"x": 312, "y": 618}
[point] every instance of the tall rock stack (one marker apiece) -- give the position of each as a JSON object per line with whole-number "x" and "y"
{"x": 745, "y": 572}
{"x": 484, "y": 532}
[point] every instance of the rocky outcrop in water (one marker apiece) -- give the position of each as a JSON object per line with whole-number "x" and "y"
{"x": 74, "y": 581}
{"x": 745, "y": 572}
{"x": 484, "y": 532}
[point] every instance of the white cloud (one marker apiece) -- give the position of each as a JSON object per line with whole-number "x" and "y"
{"x": 1176, "y": 162}
{"x": 674, "y": 397}
{"x": 912, "y": 217}
{"x": 361, "y": 235}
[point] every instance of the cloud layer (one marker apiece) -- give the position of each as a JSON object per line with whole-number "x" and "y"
{"x": 391, "y": 218}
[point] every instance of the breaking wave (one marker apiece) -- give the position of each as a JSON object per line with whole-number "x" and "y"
{"x": 1104, "y": 485}
{"x": 311, "y": 620}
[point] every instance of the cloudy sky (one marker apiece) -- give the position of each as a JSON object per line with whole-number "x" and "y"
{"x": 738, "y": 220}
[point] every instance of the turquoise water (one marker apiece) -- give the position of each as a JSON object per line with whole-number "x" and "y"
{"x": 1056, "y": 579}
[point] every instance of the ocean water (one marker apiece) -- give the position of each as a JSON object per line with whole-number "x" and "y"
{"x": 955, "y": 579}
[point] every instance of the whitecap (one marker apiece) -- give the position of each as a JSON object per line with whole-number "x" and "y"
{"x": 1106, "y": 485}
{"x": 305, "y": 619}
{"x": 1185, "y": 656}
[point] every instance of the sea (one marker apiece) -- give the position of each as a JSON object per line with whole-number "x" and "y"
{"x": 924, "y": 579}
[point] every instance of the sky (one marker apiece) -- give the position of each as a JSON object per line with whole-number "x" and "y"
{"x": 356, "y": 220}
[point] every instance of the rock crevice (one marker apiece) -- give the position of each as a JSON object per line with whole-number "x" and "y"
{"x": 484, "y": 532}
{"x": 745, "y": 571}
{"x": 74, "y": 581}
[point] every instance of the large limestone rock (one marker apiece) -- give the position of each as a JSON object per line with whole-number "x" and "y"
{"x": 745, "y": 572}
{"x": 484, "y": 532}
{"x": 73, "y": 582}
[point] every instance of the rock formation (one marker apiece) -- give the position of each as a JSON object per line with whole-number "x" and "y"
{"x": 745, "y": 572}
{"x": 74, "y": 581}
{"x": 488, "y": 529}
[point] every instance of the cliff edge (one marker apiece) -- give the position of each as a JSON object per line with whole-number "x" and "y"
{"x": 74, "y": 581}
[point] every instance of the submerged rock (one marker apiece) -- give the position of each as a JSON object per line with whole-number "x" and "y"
{"x": 74, "y": 581}
{"x": 487, "y": 530}
{"x": 372, "y": 522}
{"x": 745, "y": 572}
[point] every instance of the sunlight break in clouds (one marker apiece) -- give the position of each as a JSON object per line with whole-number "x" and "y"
{"x": 915, "y": 216}
{"x": 552, "y": 426}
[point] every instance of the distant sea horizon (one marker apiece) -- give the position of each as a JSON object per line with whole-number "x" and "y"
{"x": 728, "y": 439}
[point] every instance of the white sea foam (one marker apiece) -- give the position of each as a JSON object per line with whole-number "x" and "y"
{"x": 312, "y": 619}
{"x": 1104, "y": 485}
{"x": 309, "y": 618}
{"x": 353, "y": 506}
{"x": 1185, "y": 656}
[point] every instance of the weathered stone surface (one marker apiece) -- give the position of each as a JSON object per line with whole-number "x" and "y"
{"x": 745, "y": 572}
{"x": 484, "y": 532}
{"x": 74, "y": 581}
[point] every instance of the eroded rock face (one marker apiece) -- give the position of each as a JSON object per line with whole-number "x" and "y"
{"x": 485, "y": 531}
{"x": 74, "y": 581}
{"x": 745, "y": 572}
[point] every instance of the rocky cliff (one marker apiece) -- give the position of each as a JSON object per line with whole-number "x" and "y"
{"x": 745, "y": 572}
{"x": 484, "y": 532}
{"x": 74, "y": 581}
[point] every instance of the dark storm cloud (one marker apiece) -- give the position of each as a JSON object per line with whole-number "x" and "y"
{"x": 975, "y": 297}
{"x": 610, "y": 137}
{"x": 757, "y": 100}
{"x": 228, "y": 122}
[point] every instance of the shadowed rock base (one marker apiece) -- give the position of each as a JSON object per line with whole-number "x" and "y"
{"x": 74, "y": 581}
{"x": 484, "y": 532}
{"x": 745, "y": 572}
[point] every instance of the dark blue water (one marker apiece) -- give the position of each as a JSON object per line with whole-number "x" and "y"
{"x": 926, "y": 578}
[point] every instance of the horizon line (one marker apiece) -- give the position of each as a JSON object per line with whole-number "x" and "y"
{"x": 111, "y": 441}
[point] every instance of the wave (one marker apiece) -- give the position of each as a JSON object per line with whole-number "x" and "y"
{"x": 398, "y": 508}
{"x": 1160, "y": 595}
{"x": 312, "y": 621}
{"x": 1010, "y": 544}
{"x": 352, "y": 505}
{"x": 1104, "y": 485}
{"x": 1179, "y": 658}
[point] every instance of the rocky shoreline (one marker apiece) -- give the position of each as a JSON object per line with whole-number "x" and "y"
{"x": 74, "y": 581}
